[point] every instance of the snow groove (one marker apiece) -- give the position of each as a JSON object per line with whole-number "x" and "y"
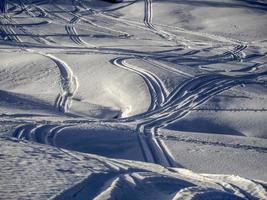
{"x": 35, "y": 37}
{"x": 166, "y": 109}
{"x": 70, "y": 28}
{"x": 85, "y": 20}
{"x": 69, "y": 84}
{"x": 40, "y": 133}
{"x": 158, "y": 91}
{"x": 237, "y": 53}
{"x": 151, "y": 147}
{"x": 7, "y": 32}
{"x": 148, "y": 17}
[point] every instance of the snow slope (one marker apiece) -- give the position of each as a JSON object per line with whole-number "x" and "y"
{"x": 43, "y": 172}
{"x": 137, "y": 100}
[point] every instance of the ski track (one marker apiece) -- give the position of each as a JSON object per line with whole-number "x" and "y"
{"x": 148, "y": 18}
{"x": 69, "y": 84}
{"x": 35, "y": 37}
{"x": 151, "y": 147}
{"x": 70, "y": 28}
{"x": 85, "y": 20}
{"x": 186, "y": 97}
{"x": 8, "y": 32}
{"x": 158, "y": 91}
{"x": 40, "y": 133}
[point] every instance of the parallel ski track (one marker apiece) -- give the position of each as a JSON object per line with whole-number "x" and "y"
{"x": 156, "y": 87}
{"x": 35, "y": 37}
{"x": 8, "y": 32}
{"x": 40, "y": 133}
{"x": 152, "y": 148}
{"x": 76, "y": 18}
{"x": 181, "y": 101}
{"x": 147, "y": 20}
{"x": 174, "y": 110}
{"x": 70, "y": 26}
{"x": 148, "y": 17}
{"x": 25, "y": 8}
{"x": 85, "y": 20}
{"x": 166, "y": 67}
{"x": 71, "y": 30}
{"x": 69, "y": 84}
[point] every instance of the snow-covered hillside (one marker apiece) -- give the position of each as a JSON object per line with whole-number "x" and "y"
{"x": 142, "y": 99}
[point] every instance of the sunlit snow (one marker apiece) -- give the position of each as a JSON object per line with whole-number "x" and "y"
{"x": 133, "y": 99}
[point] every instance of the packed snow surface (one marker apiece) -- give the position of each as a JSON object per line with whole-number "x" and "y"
{"x": 143, "y": 99}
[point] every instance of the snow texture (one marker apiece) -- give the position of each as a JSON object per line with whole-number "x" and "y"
{"x": 133, "y": 100}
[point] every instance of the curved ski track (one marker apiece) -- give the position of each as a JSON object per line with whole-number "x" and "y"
{"x": 148, "y": 18}
{"x": 69, "y": 84}
{"x": 43, "y": 134}
{"x": 70, "y": 28}
{"x": 35, "y": 37}
{"x": 7, "y": 31}
{"x": 166, "y": 109}
{"x": 156, "y": 88}
{"x": 85, "y": 20}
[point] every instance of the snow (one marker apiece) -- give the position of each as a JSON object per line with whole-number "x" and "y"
{"x": 45, "y": 172}
{"x": 133, "y": 100}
